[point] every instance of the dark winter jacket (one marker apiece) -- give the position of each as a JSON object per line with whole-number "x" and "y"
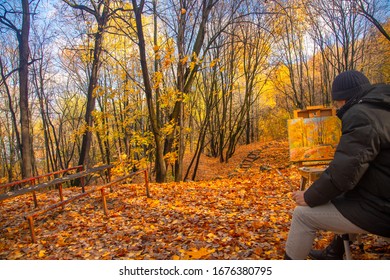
{"x": 357, "y": 180}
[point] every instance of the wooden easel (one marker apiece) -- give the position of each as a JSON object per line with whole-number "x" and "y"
{"x": 315, "y": 161}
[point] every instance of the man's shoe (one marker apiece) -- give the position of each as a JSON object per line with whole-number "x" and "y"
{"x": 324, "y": 255}
{"x": 334, "y": 251}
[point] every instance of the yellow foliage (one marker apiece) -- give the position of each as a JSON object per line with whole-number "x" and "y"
{"x": 140, "y": 164}
{"x": 98, "y": 91}
{"x": 168, "y": 128}
{"x": 168, "y": 97}
{"x": 194, "y": 61}
{"x": 169, "y": 54}
{"x": 192, "y": 65}
{"x": 272, "y": 125}
{"x": 184, "y": 60}
{"x": 268, "y": 95}
{"x": 78, "y": 132}
{"x": 170, "y": 157}
{"x": 213, "y": 62}
{"x": 157, "y": 79}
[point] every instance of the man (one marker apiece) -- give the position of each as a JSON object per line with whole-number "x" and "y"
{"x": 353, "y": 193}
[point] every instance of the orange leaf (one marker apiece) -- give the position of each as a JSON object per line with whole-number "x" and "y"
{"x": 41, "y": 253}
{"x": 194, "y": 253}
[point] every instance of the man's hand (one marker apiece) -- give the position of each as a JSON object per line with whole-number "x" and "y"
{"x": 298, "y": 198}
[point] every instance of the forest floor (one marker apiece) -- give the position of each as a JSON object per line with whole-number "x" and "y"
{"x": 228, "y": 213}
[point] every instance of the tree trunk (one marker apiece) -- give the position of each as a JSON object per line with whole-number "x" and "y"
{"x": 26, "y": 147}
{"x": 160, "y": 165}
{"x": 91, "y": 99}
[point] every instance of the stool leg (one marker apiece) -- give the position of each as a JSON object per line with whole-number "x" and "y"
{"x": 347, "y": 248}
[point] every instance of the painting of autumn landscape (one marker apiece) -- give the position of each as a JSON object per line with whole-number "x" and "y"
{"x": 167, "y": 129}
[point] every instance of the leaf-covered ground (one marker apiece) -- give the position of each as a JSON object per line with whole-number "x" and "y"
{"x": 229, "y": 214}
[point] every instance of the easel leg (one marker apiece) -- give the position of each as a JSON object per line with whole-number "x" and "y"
{"x": 303, "y": 183}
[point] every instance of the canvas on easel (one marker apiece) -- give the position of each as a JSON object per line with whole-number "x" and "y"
{"x": 313, "y": 139}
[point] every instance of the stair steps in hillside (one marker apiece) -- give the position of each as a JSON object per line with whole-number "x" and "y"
{"x": 247, "y": 162}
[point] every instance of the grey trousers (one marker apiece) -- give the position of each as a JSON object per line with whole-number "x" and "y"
{"x": 307, "y": 221}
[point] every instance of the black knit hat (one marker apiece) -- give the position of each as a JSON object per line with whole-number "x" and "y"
{"x": 347, "y": 84}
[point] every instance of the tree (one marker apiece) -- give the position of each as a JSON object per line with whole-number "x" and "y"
{"x": 189, "y": 42}
{"x": 369, "y": 10}
{"x": 22, "y": 33}
{"x": 100, "y": 10}
{"x": 344, "y": 33}
{"x": 377, "y": 57}
{"x": 160, "y": 166}
{"x": 10, "y": 132}
{"x": 291, "y": 30}
{"x": 188, "y": 50}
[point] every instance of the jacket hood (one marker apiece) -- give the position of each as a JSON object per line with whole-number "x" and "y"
{"x": 379, "y": 95}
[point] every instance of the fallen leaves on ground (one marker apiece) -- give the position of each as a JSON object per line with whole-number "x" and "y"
{"x": 232, "y": 218}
